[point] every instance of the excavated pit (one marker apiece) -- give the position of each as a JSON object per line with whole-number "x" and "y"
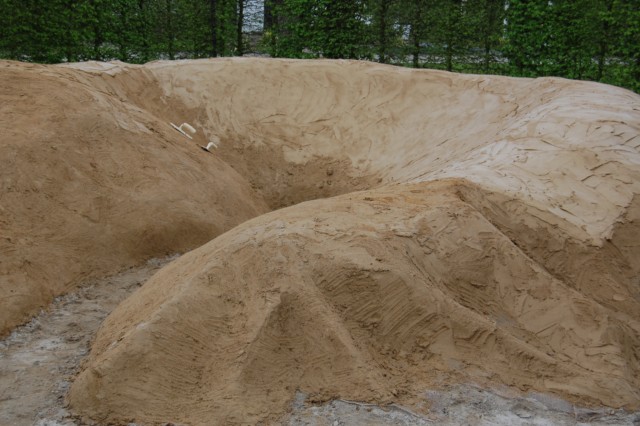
{"x": 442, "y": 229}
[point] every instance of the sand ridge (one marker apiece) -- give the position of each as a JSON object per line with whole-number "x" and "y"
{"x": 479, "y": 228}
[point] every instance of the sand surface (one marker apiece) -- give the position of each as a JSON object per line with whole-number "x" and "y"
{"x": 90, "y": 183}
{"x": 39, "y": 359}
{"x": 441, "y": 229}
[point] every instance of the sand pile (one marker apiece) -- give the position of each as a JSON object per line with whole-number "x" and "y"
{"x": 90, "y": 184}
{"x": 495, "y": 241}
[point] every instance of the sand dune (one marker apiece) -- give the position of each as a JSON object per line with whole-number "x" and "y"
{"x": 442, "y": 228}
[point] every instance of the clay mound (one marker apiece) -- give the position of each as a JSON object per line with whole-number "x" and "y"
{"x": 496, "y": 240}
{"x": 90, "y": 184}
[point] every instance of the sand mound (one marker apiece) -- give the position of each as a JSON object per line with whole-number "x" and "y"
{"x": 496, "y": 240}
{"x": 90, "y": 184}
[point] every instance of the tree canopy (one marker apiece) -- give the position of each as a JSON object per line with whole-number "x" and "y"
{"x": 584, "y": 39}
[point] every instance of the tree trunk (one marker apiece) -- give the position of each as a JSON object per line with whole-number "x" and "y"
{"x": 98, "y": 38}
{"x": 122, "y": 38}
{"x": 239, "y": 42}
{"x": 383, "y": 10}
{"x": 268, "y": 22}
{"x": 417, "y": 28}
{"x": 143, "y": 30}
{"x": 68, "y": 33}
{"x": 488, "y": 26}
{"x": 604, "y": 45}
{"x": 416, "y": 46}
{"x": 170, "y": 35}
{"x": 213, "y": 22}
{"x": 450, "y": 34}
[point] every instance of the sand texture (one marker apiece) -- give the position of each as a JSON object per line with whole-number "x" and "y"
{"x": 427, "y": 228}
{"x": 91, "y": 184}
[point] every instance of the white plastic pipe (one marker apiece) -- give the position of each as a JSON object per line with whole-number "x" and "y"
{"x": 189, "y": 127}
{"x": 209, "y": 146}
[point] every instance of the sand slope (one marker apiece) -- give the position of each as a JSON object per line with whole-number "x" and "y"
{"x": 495, "y": 241}
{"x": 90, "y": 184}
{"x": 317, "y": 299}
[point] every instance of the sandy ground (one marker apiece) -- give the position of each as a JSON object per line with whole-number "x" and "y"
{"x": 38, "y": 360}
{"x": 458, "y": 406}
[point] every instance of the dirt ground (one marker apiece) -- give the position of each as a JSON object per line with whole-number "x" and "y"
{"x": 38, "y": 361}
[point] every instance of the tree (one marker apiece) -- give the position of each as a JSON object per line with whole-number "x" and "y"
{"x": 527, "y": 36}
{"x": 98, "y": 28}
{"x": 342, "y": 31}
{"x": 270, "y": 13}
{"x": 627, "y": 17}
{"x": 487, "y": 27}
{"x": 142, "y": 24}
{"x": 416, "y": 12}
{"x": 15, "y": 29}
{"x": 586, "y": 39}
{"x": 606, "y": 32}
{"x": 381, "y": 21}
{"x": 214, "y": 24}
{"x": 239, "y": 27}
{"x": 572, "y": 45}
{"x": 449, "y": 19}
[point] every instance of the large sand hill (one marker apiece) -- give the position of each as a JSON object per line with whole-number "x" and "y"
{"x": 480, "y": 229}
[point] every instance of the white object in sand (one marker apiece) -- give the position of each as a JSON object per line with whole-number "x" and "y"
{"x": 210, "y": 145}
{"x": 183, "y": 127}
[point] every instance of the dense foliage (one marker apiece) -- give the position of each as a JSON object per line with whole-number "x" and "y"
{"x": 584, "y": 39}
